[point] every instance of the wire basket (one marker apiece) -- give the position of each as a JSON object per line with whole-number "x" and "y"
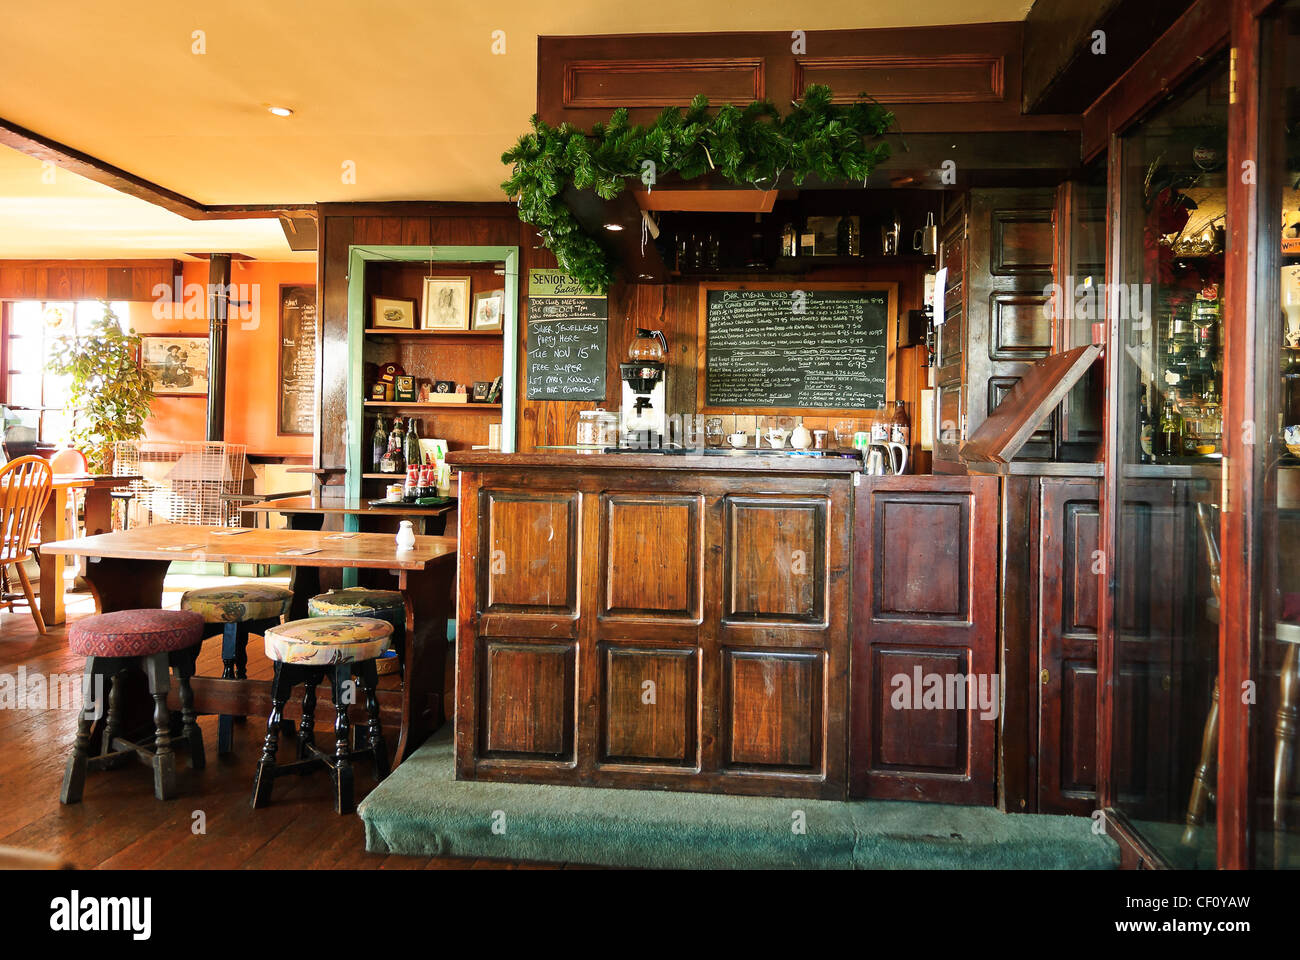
{"x": 182, "y": 481}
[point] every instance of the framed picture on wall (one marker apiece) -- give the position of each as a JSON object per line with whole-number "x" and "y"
{"x": 392, "y": 312}
{"x": 488, "y": 308}
{"x": 446, "y": 303}
{"x": 178, "y": 363}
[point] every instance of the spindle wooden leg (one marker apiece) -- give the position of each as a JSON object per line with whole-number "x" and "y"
{"x": 185, "y": 662}
{"x": 343, "y": 790}
{"x": 266, "y": 766}
{"x": 164, "y": 761}
{"x": 74, "y": 776}
{"x": 1203, "y": 781}
{"x": 374, "y": 731}
{"x": 1284, "y": 751}
{"x": 307, "y": 726}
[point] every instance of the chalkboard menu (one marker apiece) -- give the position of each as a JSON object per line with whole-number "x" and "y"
{"x": 567, "y": 331}
{"x": 798, "y": 349}
{"x": 298, "y": 334}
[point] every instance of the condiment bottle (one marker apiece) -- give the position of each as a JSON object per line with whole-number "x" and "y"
{"x": 405, "y": 536}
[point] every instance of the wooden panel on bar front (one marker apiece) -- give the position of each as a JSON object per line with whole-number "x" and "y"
{"x": 651, "y": 550}
{"x": 925, "y": 699}
{"x": 531, "y": 545}
{"x": 650, "y": 698}
{"x": 775, "y": 559}
{"x": 527, "y": 699}
{"x": 772, "y": 706}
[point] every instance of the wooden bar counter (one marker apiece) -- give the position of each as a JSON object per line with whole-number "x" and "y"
{"x": 646, "y": 620}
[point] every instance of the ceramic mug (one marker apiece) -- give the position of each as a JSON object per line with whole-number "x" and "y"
{"x": 738, "y": 439}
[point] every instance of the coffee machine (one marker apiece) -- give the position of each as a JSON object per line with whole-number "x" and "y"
{"x": 643, "y": 420}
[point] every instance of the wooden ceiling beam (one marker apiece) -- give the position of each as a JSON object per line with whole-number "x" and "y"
{"x": 92, "y": 168}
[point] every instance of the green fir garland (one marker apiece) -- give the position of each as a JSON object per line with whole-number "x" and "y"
{"x": 753, "y": 146}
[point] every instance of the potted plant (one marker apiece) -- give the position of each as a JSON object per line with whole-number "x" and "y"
{"x": 109, "y": 391}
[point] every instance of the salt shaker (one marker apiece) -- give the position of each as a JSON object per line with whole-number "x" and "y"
{"x": 406, "y": 536}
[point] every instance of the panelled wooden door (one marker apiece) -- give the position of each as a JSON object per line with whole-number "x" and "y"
{"x": 655, "y": 629}
{"x": 925, "y": 639}
{"x": 1067, "y": 703}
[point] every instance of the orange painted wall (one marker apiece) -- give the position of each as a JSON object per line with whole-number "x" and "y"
{"x": 252, "y": 362}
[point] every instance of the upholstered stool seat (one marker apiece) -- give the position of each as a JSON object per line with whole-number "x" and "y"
{"x": 135, "y": 633}
{"x": 237, "y": 610}
{"x": 305, "y": 651}
{"x": 157, "y": 641}
{"x": 325, "y": 641}
{"x": 239, "y": 602}
{"x": 387, "y": 605}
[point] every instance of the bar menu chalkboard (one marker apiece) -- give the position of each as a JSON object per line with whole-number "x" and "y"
{"x": 298, "y": 333}
{"x": 567, "y": 334}
{"x": 816, "y": 349}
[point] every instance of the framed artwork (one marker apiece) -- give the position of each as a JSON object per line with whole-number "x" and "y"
{"x": 488, "y": 308}
{"x": 392, "y": 312}
{"x": 446, "y": 303}
{"x": 178, "y": 363}
{"x": 444, "y": 386}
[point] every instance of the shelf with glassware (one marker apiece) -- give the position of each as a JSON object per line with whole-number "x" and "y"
{"x": 430, "y": 367}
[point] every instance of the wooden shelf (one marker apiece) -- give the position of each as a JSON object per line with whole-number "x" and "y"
{"x": 434, "y": 406}
{"x": 399, "y": 332}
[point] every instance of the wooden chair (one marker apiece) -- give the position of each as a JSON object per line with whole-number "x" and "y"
{"x": 25, "y": 486}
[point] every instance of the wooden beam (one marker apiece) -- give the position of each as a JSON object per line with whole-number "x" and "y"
{"x": 92, "y": 168}
{"x": 1063, "y": 70}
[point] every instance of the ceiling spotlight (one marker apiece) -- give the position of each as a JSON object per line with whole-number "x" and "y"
{"x": 281, "y": 111}
{"x": 614, "y": 226}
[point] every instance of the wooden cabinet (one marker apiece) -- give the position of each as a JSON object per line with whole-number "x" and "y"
{"x": 671, "y": 628}
{"x": 925, "y": 639}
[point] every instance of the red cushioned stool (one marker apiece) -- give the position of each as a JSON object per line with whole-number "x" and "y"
{"x": 112, "y": 643}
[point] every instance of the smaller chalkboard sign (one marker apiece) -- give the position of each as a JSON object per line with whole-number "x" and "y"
{"x": 298, "y": 336}
{"x": 567, "y": 336}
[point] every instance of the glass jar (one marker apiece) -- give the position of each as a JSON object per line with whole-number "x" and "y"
{"x": 597, "y": 428}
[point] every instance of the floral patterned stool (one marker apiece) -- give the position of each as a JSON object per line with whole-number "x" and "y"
{"x": 387, "y": 605}
{"x": 111, "y": 643}
{"x": 305, "y": 651}
{"x": 237, "y": 610}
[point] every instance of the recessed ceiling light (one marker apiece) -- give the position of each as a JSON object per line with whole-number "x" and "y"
{"x": 281, "y": 111}
{"x": 614, "y": 226}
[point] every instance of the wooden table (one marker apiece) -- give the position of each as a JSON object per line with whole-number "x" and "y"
{"x": 308, "y": 513}
{"x": 54, "y": 526}
{"x": 127, "y": 568}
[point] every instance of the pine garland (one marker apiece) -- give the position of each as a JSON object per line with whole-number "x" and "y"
{"x": 751, "y": 146}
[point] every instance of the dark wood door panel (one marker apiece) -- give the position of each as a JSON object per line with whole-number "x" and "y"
{"x": 775, "y": 559}
{"x": 925, "y": 616}
{"x": 650, "y": 704}
{"x": 528, "y": 552}
{"x": 651, "y": 556}
{"x": 773, "y": 710}
{"x": 526, "y": 699}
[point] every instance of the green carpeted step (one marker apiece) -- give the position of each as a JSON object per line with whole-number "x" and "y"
{"x": 421, "y": 809}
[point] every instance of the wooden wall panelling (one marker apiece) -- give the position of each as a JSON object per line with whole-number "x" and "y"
{"x": 1080, "y": 254}
{"x": 1067, "y": 687}
{"x": 1010, "y": 259}
{"x": 943, "y": 78}
{"x": 1018, "y": 647}
{"x": 950, "y": 360}
{"x": 85, "y": 279}
{"x": 925, "y": 598}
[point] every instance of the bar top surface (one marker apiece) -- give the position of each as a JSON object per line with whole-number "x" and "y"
{"x": 737, "y": 461}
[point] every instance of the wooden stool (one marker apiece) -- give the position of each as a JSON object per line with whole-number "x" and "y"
{"x": 389, "y": 605}
{"x": 305, "y": 651}
{"x": 237, "y": 610}
{"x": 112, "y": 642}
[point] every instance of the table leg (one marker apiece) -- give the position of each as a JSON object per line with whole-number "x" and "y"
{"x": 303, "y": 581}
{"x": 428, "y": 608}
{"x": 54, "y": 526}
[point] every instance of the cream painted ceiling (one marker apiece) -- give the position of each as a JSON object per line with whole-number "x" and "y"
{"x": 408, "y": 91}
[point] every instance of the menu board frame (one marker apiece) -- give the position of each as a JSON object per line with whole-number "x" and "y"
{"x": 282, "y": 292}
{"x": 702, "y": 352}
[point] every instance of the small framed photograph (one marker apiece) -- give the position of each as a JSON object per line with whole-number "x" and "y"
{"x": 404, "y": 390}
{"x": 444, "y": 386}
{"x": 393, "y": 313}
{"x": 482, "y": 390}
{"x": 446, "y": 303}
{"x": 178, "y": 363}
{"x": 488, "y": 308}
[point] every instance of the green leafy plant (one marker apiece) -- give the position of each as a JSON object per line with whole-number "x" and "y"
{"x": 109, "y": 390}
{"x": 752, "y": 146}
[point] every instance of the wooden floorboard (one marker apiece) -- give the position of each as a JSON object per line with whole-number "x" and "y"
{"x": 119, "y": 824}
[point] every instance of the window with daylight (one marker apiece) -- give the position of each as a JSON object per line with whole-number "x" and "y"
{"x": 35, "y": 398}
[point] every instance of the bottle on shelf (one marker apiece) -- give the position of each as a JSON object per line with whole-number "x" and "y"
{"x": 395, "y": 458}
{"x": 900, "y": 427}
{"x": 789, "y": 240}
{"x": 411, "y": 444}
{"x": 1146, "y": 429}
{"x": 848, "y": 237}
{"x": 1171, "y": 430}
{"x": 378, "y": 444}
{"x": 756, "y": 259}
